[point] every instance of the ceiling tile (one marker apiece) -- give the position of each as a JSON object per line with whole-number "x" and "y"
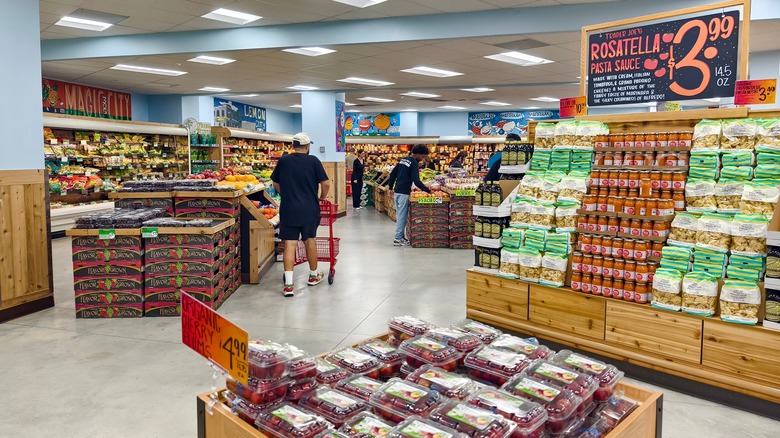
{"x": 455, "y": 5}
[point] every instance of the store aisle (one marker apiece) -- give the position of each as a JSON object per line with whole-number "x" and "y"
{"x": 133, "y": 378}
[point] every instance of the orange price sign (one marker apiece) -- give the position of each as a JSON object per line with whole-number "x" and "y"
{"x": 214, "y": 337}
{"x": 574, "y": 106}
{"x": 755, "y": 92}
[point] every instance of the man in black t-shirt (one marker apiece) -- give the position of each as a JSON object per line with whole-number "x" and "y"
{"x": 404, "y": 174}
{"x": 358, "y": 167}
{"x": 296, "y": 178}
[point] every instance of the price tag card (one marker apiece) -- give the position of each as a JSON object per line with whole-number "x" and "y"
{"x": 53, "y": 141}
{"x": 66, "y": 142}
{"x": 214, "y": 337}
{"x": 148, "y": 233}
{"x": 83, "y": 142}
{"x": 63, "y": 159}
{"x": 464, "y": 192}
{"x": 574, "y": 106}
{"x": 430, "y": 200}
{"x": 154, "y": 144}
{"x": 106, "y": 234}
{"x": 755, "y": 92}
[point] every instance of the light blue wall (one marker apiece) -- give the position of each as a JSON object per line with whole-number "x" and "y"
{"x": 165, "y": 109}
{"x": 449, "y": 123}
{"x": 140, "y": 103}
{"x": 409, "y": 123}
{"x": 200, "y": 108}
{"x": 281, "y": 121}
{"x": 319, "y": 121}
{"x": 297, "y": 122}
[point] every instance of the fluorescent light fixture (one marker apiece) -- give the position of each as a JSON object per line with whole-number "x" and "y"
{"x": 409, "y": 110}
{"x": 533, "y": 107}
{"x": 246, "y": 95}
{"x": 494, "y": 103}
{"x": 713, "y": 100}
{"x": 360, "y": 3}
{"x": 518, "y": 58}
{"x": 81, "y": 23}
{"x": 478, "y": 89}
{"x": 651, "y": 103}
{"x": 429, "y": 71}
{"x": 545, "y": 99}
{"x": 364, "y": 81}
{"x": 213, "y": 60}
{"x": 451, "y": 107}
{"x": 349, "y": 104}
{"x": 297, "y": 105}
{"x": 149, "y": 70}
{"x": 423, "y": 95}
{"x": 310, "y": 51}
{"x": 302, "y": 88}
{"x": 376, "y": 99}
{"x": 230, "y": 16}
{"x": 214, "y": 89}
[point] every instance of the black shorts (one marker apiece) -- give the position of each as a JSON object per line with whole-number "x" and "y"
{"x": 298, "y": 232}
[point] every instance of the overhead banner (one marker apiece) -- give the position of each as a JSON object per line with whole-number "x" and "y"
{"x": 373, "y": 124}
{"x": 79, "y": 100}
{"x": 506, "y": 122}
{"x": 690, "y": 58}
{"x": 341, "y": 134}
{"x": 238, "y": 115}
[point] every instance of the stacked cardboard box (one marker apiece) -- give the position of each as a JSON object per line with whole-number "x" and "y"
{"x": 429, "y": 224}
{"x": 461, "y": 224}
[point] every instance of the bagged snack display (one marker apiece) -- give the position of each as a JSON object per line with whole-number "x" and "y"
{"x": 521, "y": 211}
{"x": 700, "y": 195}
{"x": 558, "y": 242}
{"x": 531, "y": 184}
{"x": 714, "y": 232}
{"x": 573, "y": 187}
{"x": 738, "y": 158}
{"x": 706, "y": 135}
{"x": 738, "y": 173}
{"x": 586, "y": 133}
{"x": 566, "y": 215}
{"x": 728, "y": 195}
{"x": 540, "y": 160}
{"x": 510, "y": 263}
{"x": 530, "y": 265}
{"x": 740, "y": 301}
{"x": 699, "y": 294}
{"x": 705, "y": 159}
{"x": 704, "y": 173}
{"x": 748, "y": 234}
{"x": 542, "y": 215}
{"x": 535, "y": 239}
{"x": 666, "y": 289}
{"x": 684, "y": 229}
{"x": 767, "y": 156}
{"x": 560, "y": 158}
{"x": 760, "y": 197}
{"x": 738, "y": 134}
{"x": 565, "y": 133}
{"x": 512, "y": 238}
{"x": 544, "y": 137}
{"x": 677, "y": 258}
{"x": 769, "y": 134}
{"x": 767, "y": 171}
{"x": 553, "y": 269}
{"x": 740, "y": 273}
{"x": 549, "y": 188}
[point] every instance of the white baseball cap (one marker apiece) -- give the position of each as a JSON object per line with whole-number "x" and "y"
{"x": 302, "y": 138}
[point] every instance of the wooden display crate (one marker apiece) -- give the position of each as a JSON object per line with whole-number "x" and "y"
{"x": 135, "y": 200}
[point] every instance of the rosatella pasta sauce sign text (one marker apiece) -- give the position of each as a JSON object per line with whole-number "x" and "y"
{"x": 692, "y": 58}
{"x": 214, "y": 337}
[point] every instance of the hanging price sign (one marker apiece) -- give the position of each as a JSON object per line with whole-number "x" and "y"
{"x": 468, "y": 193}
{"x": 215, "y": 338}
{"x": 755, "y": 92}
{"x": 430, "y": 200}
{"x": 106, "y": 234}
{"x": 574, "y": 106}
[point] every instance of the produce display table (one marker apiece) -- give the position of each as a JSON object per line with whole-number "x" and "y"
{"x": 429, "y": 224}
{"x": 65, "y": 217}
{"x": 136, "y": 200}
{"x": 740, "y": 358}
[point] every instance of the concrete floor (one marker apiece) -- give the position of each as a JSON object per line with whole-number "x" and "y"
{"x": 133, "y": 378}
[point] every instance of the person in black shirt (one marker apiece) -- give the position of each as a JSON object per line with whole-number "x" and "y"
{"x": 296, "y": 178}
{"x": 457, "y": 162}
{"x": 493, "y": 174}
{"x": 404, "y": 174}
{"x": 358, "y": 167}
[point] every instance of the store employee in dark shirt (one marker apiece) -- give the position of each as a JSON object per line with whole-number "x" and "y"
{"x": 406, "y": 172}
{"x": 297, "y": 178}
{"x": 358, "y": 167}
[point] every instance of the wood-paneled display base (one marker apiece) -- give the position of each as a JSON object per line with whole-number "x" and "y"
{"x": 740, "y": 358}
{"x": 25, "y": 251}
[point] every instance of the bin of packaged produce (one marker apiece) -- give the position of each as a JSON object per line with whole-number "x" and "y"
{"x": 448, "y": 384}
{"x": 302, "y": 365}
{"x": 397, "y": 400}
{"x": 268, "y": 360}
{"x": 525, "y": 346}
{"x": 258, "y": 391}
{"x": 561, "y": 404}
{"x": 247, "y": 411}
{"x": 530, "y": 417}
{"x": 335, "y": 406}
{"x": 461, "y": 341}
{"x": 329, "y": 373}
{"x": 422, "y": 350}
{"x": 289, "y": 421}
{"x": 418, "y": 427}
{"x": 387, "y": 354}
{"x": 581, "y": 384}
{"x": 485, "y": 332}
{"x": 358, "y": 386}
{"x": 407, "y": 327}
{"x": 301, "y": 387}
{"x": 356, "y": 362}
{"x": 495, "y": 366}
{"x": 607, "y": 375}
{"x": 472, "y": 421}
{"x": 366, "y": 425}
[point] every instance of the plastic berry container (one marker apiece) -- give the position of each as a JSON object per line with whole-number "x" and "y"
{"x": 392, "y": 340}
{"x": 581, "y": 384}
{"x": 246, "y": 411}
{"x": 299, "y": 388}
{"x": 335, "y": 406}
{"x": 418, "y": 427}
{"x": 289, "y": 421}
{"x": 388, "y": 355}
{"x": 407, "y": 327}
{"x": 259, "y": 392}
{"x": 607, "y": 375}
{"x": 461, "y": 341}
{"x": 615, "y": 410}
{"x": 301, "y": 365}
{"x": 448, "y": 384}
{"x": 406, "y": 369}
{"x": 267, "y": 360}
{"x": 332, "y": 433}
{"x": 398, "y": 399}
{"x": 561, "y": 404}
{"x": 589, "y": 428}
{"x": 422, "y": 350}
{"x": 472, "y": 421}
{"x": 485, "y": 332}
{"x": 328, "y": 373}
{"x": 356, "y": 362}
{"x": 358, "y": 386}
{"x": 526, "y": 346}
{"x": 366, "y": 425}
{"x": 494, "y": 365}
{"x": 529, "y": 416}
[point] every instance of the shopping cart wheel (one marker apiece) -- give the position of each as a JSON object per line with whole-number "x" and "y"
{"x": 331, "y": 274}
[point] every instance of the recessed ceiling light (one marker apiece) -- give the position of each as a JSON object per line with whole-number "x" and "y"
{"x": 429, "y": 71}
{"x": 494, "y": 103}
{"x": 214, "y": 89}
{"x": 310, "y": 51}
{"x": 451, "y": 107}
{"x": 81, "y": 23}
{"x": 149, "y": 70}
{"x": 297, "y": 105}
{"x": 349, "y": 104}
{"x": 360, "y": 3}
{"x": 229, "y": 16}
{"x": 363, "y": 81}
{"x": 533, "y": 107}
{"x": 713, "y": 100}
{"x": 376, "y": 99}
{"x": 205, "y": 59}
{"x": 545, "y": 99}
{"x": 246, "y": 95}
{"x": 302, "y": 88}
{"x": 409, "y": 110}
{"x": 519, "y": 58}
{"x": 423, "y": 95}
{"x": 478, "y": 89}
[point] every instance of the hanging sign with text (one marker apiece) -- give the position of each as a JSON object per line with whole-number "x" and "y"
{"x": 755, "y": 92}
{"x": 574, "y": 106}
{"x": 691, "y": 58}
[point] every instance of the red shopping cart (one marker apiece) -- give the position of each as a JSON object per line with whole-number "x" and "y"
{"x": 327, "y": 247}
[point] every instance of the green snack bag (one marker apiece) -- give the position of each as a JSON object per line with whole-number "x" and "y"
{"x": 738, "y": 158}
{"x": 737, "y": 173}
{"x": 740, "y": 301}
{"x": 746, "y": 274}
{"x": 699, "y": 293}
{"x": 767, "y": 171}
{"x": 705, "y": 159}
{"x": 667, "y": 289}
{"x": 706, "y": 135}
{"x": 554, "y": 266}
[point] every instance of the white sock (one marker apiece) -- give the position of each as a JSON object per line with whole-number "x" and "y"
{"x": 313, "y": 273}
{"x": 288, "y": 277}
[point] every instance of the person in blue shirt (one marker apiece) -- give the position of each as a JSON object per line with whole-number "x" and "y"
{"x": 495, "y": 160}
{"x": 404, "y": 174}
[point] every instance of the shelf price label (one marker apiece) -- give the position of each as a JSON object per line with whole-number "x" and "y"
{"x": 107, "y": 234}
{"x": 148, "y": 233}
{"x": 574, "y": 106}
{"x": 755, "y": 92}
{"x": 215, "y": 338}
{"x": 430, "y": 200}
{"x": 469, "y": 193}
